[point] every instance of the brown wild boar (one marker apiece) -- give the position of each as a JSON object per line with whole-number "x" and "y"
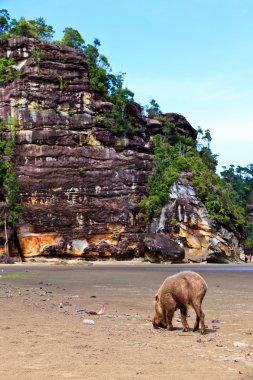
{"x": 176, "y": 292}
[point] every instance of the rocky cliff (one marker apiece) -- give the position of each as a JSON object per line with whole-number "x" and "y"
{"x": 80, "y": 184}
{"x": 185, "y": 219}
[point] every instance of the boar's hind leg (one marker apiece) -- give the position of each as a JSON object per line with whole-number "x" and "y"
{"x": 200, "y": 317}
{"x": 183, "y": 311}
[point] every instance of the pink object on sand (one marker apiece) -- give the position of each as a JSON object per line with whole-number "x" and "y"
{"x": 102, "y": 310}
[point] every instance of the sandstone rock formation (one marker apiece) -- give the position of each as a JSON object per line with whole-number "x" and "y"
{"x": 186, "y": 220}
{"x": 81, "y": 185}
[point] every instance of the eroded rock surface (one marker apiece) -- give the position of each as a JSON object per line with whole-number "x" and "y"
{"x": 81, "y": 185}
{"x": 186, "y": 220}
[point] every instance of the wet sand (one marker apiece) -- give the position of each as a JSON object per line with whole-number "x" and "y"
{"x": 42, "y": 308}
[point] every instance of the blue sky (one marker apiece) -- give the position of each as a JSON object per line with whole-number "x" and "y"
{"x": 194, "y": 57}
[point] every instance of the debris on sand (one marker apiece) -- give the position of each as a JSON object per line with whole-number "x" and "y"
{"x": 241, "y": 344}
{"x": 102, "y": 310}
{"x": 92, "y": 312}
{"x": 88, "y": 322}
{"x": 215, "y": 321}
{"x": 80, "y": 311}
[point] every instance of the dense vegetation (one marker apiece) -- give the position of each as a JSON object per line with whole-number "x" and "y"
{"x": 7, "y": 173}
{"x": 183, "y": 154}
{"x": 240, "y": 179}
{"x": 225, "y": 196}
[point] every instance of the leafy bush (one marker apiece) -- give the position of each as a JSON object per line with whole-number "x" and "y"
{"x": 7, "y": 173}
{"x": 8, "y": 72}
{"x": 36, "y": 54}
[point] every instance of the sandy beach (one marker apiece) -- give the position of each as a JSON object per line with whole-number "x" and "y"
{"x": 43, "y": 334}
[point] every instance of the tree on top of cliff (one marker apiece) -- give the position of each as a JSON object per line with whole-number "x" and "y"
{"x": 73, "y": 39}
{"x": 204, "y": 139}
{"x": 120, "y": 96}
{"x": 101, "y": 78}
{"x": 12, "y": 28}
{"x": 153, "y": 109}
{"x": 99, "y": 69}
{"x": 4, "y": 21}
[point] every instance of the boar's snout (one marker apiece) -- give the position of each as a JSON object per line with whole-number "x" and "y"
{"x": 158, "y": 323}
{"x": 158, "y": 320}
{"x": 155, "y": 323}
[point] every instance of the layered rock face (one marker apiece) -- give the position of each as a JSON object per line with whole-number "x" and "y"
{"x": 80, "y": 184}
{"x": 79, "y": 195}
{"x": 186, "y": 220}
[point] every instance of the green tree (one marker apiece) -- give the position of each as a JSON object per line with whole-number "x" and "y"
{"x": 21, "y": 28}
{"x": 4, "y": 22}
{"x": 73, "y": 39}
{"x": 207, "y": 138}
{"x": 203, "y": 145}
{"x": 43, "y": 31}
{"x": 99, "y": 69}
{"x": 241, "y": 180}
{"x": 12, "y": 28}
{"x": 153, "y": 109}
{"x": 120, "y": 96}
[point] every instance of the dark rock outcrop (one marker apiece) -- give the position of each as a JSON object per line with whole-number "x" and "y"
{"x": 160, "y": 248}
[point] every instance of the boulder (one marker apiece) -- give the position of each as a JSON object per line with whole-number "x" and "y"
{"x": 160, "y": 248}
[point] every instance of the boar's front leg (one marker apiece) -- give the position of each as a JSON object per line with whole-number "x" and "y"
{"x": 169, "y": 316}
{"x": 183, "y": 311}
